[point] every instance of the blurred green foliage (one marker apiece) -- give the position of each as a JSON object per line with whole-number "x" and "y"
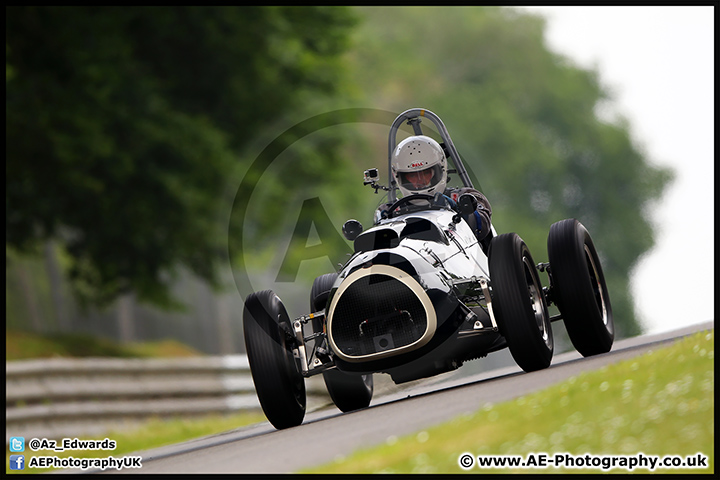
{"x": 129, "y": 128}
{"x": 526, "y": 122}
{"x": 124, "y": 124}
{"x": 22, "y": 345}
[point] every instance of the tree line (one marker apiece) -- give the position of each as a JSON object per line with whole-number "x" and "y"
{"x": 130, "y": 131}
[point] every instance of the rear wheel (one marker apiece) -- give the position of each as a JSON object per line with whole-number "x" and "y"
{"x": 578, "y": 288}
{"x": 268, "y": 340}
{"x": 348, "y": 391}
{"x": 519, "y": 303}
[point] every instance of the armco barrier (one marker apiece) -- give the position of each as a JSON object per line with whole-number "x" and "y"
{"x": 56, "y": 398}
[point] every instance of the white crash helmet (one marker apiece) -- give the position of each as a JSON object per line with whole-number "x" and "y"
{"x": 424, "y": 159}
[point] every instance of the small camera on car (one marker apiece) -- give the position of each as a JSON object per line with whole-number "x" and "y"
{"x": 371, "y": 175}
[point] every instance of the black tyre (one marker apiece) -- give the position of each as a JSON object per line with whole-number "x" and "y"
{"x": 578, "y": 288}
{"x": 268, "y": 340}
{"x": 519, "y": 303}
{"x": 320, "y": 291}
{"x": 348, "y": 391}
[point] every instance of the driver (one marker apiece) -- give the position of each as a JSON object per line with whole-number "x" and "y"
{"x": 419, "y": 166}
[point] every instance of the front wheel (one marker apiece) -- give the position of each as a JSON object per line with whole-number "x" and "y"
{"x": 520, "y": 303}
{"x": 579, "y": 289}
{"x": 268, "y": 340}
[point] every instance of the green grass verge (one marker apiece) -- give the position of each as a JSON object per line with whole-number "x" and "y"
{"x": 25, "y": 345}
{"x": 660, "y": 403}
{"x": 151, "y": 434}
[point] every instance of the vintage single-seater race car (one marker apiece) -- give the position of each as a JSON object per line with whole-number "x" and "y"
{"x": 420, "y": 296}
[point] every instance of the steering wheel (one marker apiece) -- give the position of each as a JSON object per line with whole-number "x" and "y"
{"x": 402, "y": 204}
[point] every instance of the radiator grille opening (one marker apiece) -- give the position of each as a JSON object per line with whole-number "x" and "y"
{"x": 377, "y": 313}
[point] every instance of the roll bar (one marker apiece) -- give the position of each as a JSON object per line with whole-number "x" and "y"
{"x": 413, "y": 118}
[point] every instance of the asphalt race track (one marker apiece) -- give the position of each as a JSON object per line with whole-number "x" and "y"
{"x": 327, "y": 434}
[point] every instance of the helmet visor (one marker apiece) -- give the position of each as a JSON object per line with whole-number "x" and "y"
{"x": 418, "y": 180}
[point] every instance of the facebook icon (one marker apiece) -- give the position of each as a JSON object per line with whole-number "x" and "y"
{"x": 17, "y": 462}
